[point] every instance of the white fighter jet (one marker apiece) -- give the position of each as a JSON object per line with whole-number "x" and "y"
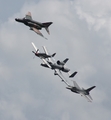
{"x": 83, "y": 92}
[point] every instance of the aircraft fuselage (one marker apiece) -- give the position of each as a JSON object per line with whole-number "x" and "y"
{"x": 76, "y": 90}
{"x": 42, "y": 55}
{"x": 30, "y": 23}
{"x": 55, "y": 66}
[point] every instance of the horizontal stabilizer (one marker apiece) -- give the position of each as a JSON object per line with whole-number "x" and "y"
{"x": 72, "y": 75}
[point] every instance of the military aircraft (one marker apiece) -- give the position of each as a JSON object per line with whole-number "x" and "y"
{"x": 41, "y": 55}
{"x": 60, "y": 65}
{"x": 47, "y": 62}
{"x": 34, "y": 25}
{"x": 83, "y": 92}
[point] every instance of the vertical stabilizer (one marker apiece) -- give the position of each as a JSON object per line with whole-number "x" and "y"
{"x": 46, "y": 25}
{"x": 89, "y": 89}
{"x": 47, "y": 29}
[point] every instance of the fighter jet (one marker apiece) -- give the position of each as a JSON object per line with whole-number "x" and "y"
{"x": 83, "y": 92}
{"x": 41, "y": 55}
{"x": 34, "y": 25}
{"x": 59, "y": 65}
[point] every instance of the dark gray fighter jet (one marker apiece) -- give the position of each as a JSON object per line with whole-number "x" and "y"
{"x": 83, "y": 92}
{"x": 34, "y": 25}
{"x": 59, "y": 65}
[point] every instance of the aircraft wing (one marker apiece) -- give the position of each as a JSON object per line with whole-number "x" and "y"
{"x": 41, "y": 57}
{"x": 38, "y": 32}
{"x": 61, "y": 77}
{"x": 46, "y": 62}
{"x": 45, "y": 50}
{"x": 76, "y": 85}
{"x": 85, "y": 97}
{"x": 90, "y": 97}
{"x": 28, "y": 16}
{"x": 34, "y": 46}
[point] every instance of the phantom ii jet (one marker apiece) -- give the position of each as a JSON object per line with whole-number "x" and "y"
{"x": 83, "y": 92}
{"x": 34, "y": 25}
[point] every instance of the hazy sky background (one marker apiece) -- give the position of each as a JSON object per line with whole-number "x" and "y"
{"x": 81, "y": 31}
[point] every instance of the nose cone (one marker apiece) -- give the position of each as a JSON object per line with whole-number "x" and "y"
{"x": 18, "y": 20}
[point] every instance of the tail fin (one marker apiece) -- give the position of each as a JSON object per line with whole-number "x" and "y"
{"x": 73, "y": 74}
{"x": 53, "y": 55}
{"x": 66, "y": 60}
{"x": 89, "y": 89}
{"x": 46, "y": 25}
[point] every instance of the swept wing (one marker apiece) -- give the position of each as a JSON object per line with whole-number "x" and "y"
{"x": 62, "y": 77}
{"x": 37, "y": 31}
{"x": 76, "y": 85}
{"x": 90, "y": 96}
{"x": 85, "y": 97}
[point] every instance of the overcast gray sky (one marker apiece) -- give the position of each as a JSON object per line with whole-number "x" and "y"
{"x": 80, "y": 31}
